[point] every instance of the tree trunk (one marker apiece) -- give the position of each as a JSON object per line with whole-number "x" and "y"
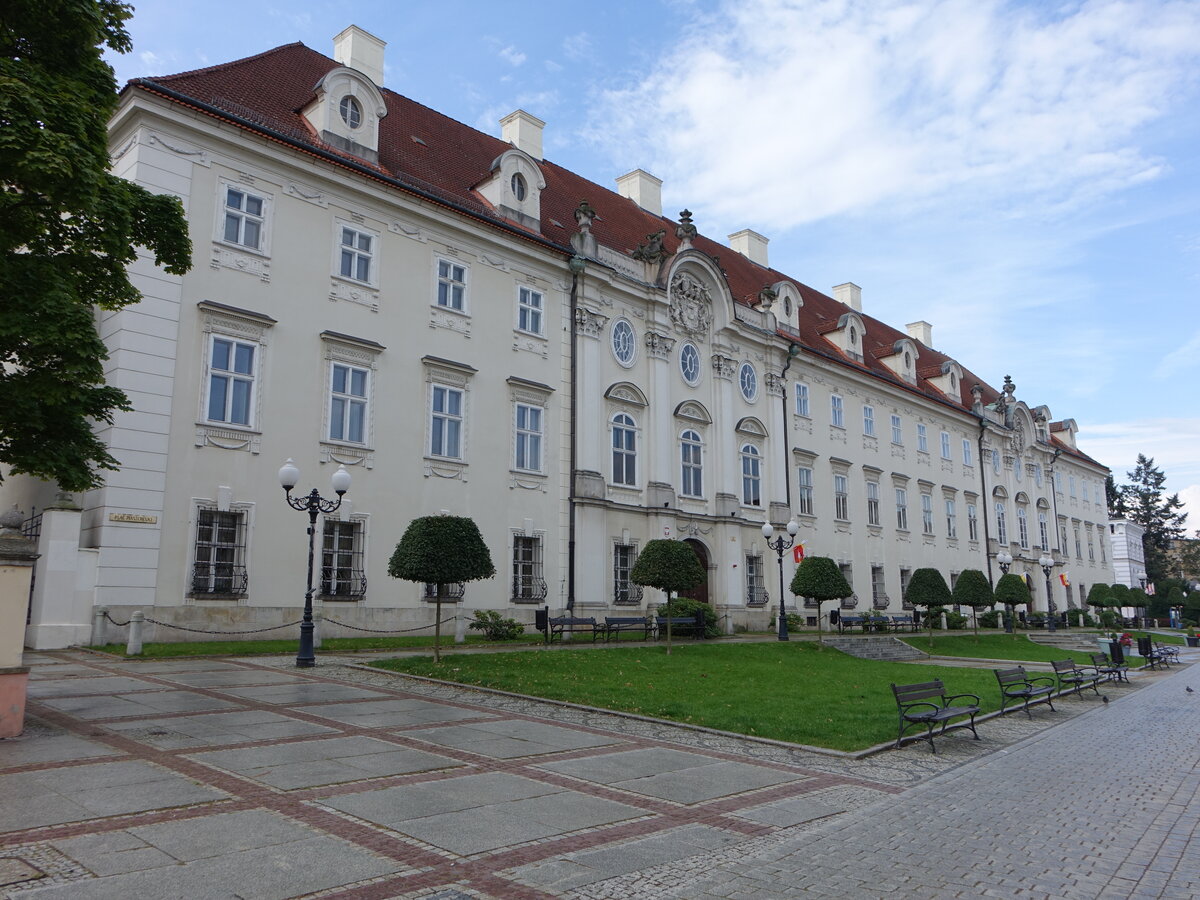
{"x": 437, "y": 626}
{"x": 668, "y": 623}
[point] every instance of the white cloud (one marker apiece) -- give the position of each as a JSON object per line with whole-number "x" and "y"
{"x": 577, "y": 46}
{"x": 152, "y": 63}
{"x": 1180, "y": 359}
{"x": 1171, "y": 442}
{"x": 511, "y": 55}
{"x": 1001, "y": 106}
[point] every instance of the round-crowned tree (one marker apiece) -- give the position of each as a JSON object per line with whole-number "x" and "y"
{"x": 820, "y": 579}
{"x": 1098, "y": 596}
{"x": 974, "y": 590}
{"x": 1011, "y": 590}
{"x": 670, "y": 566}
{"x": 441, "y": 550}
{"x": 927, "y": 588}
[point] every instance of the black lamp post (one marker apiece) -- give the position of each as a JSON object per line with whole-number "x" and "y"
{"x": 1004, "y": 559}
{"x": 780, "y": 544}
{"x": 1047, "y": 563}
{"x": 313, "y": 504}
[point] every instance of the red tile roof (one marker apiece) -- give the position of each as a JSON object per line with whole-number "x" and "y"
{"x": 431, "y": 153}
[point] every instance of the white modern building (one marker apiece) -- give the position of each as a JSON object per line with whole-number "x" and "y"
{"x": 1128, "y": 552}
{"x": 468, "y": 327}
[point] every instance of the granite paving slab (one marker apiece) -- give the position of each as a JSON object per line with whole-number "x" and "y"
{"x": 215, "y": 729}
{"x": 147, "y": 703}
{"x": 167, "y": 666}
{"x": 393, "y": 713}
{"x": 628, "y": 764}
{"x": 76, "y": 685}
{"x": 44, "y": 743}
{"x": 308, "y": 692}
{"x": 391, "y": 806}
{"x": 233, "y": 678}
{"x": 508, "y": 739}
{"x": 791, "y": 811}
{"x": 695, "y": 785}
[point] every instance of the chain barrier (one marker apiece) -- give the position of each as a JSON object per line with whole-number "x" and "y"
{"x": 207, "y": 631}
{"x": 114, "y": 621}
{"x": 277, "y": 627}
{"x": 387, "y": 630}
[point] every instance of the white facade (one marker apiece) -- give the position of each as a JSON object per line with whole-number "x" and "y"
{"x": 1128, "y": 552}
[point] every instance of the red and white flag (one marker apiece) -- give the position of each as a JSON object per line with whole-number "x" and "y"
{"x": 1149, "y": 589}
{"x": 1065, "y": 578}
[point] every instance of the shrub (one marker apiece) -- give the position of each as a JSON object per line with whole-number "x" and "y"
{"x": 1109, "y": 618}
{"x": 795, "y": 622}
{"x": 496, "y": 627}
{"x": 990, "y": 619}
{"x": 955, "y": 621}
{"x": 686, "y": 606}
{"x": 1075, "y": 617}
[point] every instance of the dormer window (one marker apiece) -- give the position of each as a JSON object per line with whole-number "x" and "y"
{"x": 345, "y": 111}
{"x": 907, "y": 360}
{"x": 953, "y": 382}
{"x": 514, "y": 188}
{"x": 853, "y": 336}
{"x": 518, "y": 186}
{"x": 351, "y": 112}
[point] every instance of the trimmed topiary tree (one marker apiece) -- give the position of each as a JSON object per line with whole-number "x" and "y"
{"x": 973, "y": 589}
{"x": 441, "y": 550}
{"x": 819, "y": 578}
{"x": 670, "y": 566}
{"x": 1099, "y": 596}
{"x": 927, "y": 588}
{"x": 1011, "y": 590}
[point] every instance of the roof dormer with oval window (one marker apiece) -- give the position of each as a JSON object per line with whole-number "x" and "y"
{"x": 948, "y": 380}
{"x": 787, "y": 305}
{"x": 346, "y": 111}
{"x": 848, "y": 335}
{"x": 514, "y": 188}
{"x": 902, "y": 359}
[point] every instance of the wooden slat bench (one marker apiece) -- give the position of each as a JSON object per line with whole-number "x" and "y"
{"x": 928, "y": 704}
{"x": 905, "y": 623}
{"x": 845, "y": 622}
{"x": 696, "y": 623}
{"x": 571, "y": 625}
{"x": 1105, "y": 666}
{"x": 614, "y": 625}
{"x": 1074, "y": 678}
{"x": 1017, "y": 687}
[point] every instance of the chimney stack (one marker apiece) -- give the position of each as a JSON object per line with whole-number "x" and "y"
{"x": 524, "y": 132}
{"x": 362, "y": 51}
{"x": 643, "y": 189}
{"x": 849, "y": 294}
{"x": 921, "y": 331}
{"x": 751, "y": 245}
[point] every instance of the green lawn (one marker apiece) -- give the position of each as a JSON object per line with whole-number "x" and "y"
{"x": 788, "y": 691}
{"x": 1016, "y": 647}
{"x": 286, "y": 646}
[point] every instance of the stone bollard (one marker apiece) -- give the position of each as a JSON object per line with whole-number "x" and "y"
{"x": 318, "y": 621}
{"x": 460, "y": 629}
{"x": 943, "y": 620}
{"x": 98, "y": 617}
{"x": 133, "y": 646}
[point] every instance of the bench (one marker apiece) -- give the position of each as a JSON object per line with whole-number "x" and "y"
{"x": 561, "y": 625}
{"x": 1074, "y": 678}
{"x": 845, "y": 622}
{"x": 696, "y": 623}
{"x": 1105, "y": 666}
{"x": 903, "y": 622}
{"x": 1156, "y": 654}
{"x": 614, "y": 625}
{"x": 928, "y": 704}
{"x": 1017, "y": 687}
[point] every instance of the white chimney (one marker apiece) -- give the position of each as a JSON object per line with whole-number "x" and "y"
{"x": 360, "y": 50}
{"x": 849, "y": 294}
{"x": 524, "y": 132}
{"x": 643, "y": 189}
{"x": 921, "y": 331}
{"x": 751, "y": 245}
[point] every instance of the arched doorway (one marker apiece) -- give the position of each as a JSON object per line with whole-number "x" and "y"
{"x": 700, "y": 592}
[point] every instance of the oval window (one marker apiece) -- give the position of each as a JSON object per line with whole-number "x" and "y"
{"x": 748, "y": 381}
{"x": 518, "y": 186}
{"x": 623, "y": 342}
{"x": 689, "y": 364}
{"x": 907, "y": 360}
{"x": 853, "y": 336}
{"x": 351, "y": 112}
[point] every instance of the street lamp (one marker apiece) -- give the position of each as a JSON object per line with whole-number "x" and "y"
{"x": 1047, "y": 563}
{"x": 313, "y": 504}
{"x": 780, "y": 544}
{"x": 1004, "y": 559}
{"x": 1141, "y": 577}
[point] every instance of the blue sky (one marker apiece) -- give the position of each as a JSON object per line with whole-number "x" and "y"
{"x": 1025, "y": 176}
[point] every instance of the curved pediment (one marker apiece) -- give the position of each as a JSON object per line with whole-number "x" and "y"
{"x": 752, "y": 427}
{"x": 626, "y": 392}
{"x": 693, "y": 412}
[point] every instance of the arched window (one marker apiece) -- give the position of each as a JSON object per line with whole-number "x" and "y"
{"x": 1001, "y": 524}
{"x": 751, "y": 475}
{"x": 690, "y": 456}
{"x": 624, "y": 450}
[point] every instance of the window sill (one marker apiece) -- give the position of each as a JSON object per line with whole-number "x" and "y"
{"x": 536, "y": 335}
{"x": 354, "y": 282}
{"x": 450, "y": 309}
{"x": 228, "y": 437}
{"x": 242, "y": 248}
{"x": 220, "y": 598}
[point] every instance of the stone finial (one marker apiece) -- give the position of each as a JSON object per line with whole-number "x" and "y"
{"x": 12, "y": 519}
{"x": 1009, "y": 387}
{"x": 685, "y": 230}
{"x": 584, "y": 214}
{"x": 584, "y": 241}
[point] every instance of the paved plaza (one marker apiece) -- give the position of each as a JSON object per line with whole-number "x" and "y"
{"x": 249, "y": 779}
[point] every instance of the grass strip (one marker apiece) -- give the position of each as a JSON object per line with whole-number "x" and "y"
{"x": 282, "y": 646}
{"x": 1018, "y": 648}
{"x": 792, "y": 691}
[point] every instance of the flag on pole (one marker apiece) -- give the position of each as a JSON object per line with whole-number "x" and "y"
{"x": 1065, "y": 578}
{"x": 1149, "y": 589}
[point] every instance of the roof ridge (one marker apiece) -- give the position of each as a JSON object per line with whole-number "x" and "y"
{"x": 163, "y": 79}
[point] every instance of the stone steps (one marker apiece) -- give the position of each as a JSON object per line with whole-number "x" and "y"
{"x": 1083, "y": 643}
{"x": 880, "y": 647}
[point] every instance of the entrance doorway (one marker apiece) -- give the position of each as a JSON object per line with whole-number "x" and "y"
{"x": 700, "y": 592}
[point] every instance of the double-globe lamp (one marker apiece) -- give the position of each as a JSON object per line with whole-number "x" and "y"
{"x": 780, "y": 544}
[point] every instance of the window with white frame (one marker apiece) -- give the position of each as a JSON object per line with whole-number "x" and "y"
{"x": 1091, "y": 545}
{"x": 451, "y": 285}
{"x": 756, "y": 590}
{"x": 1018, "y": 469}
{"x": 1037, "y": 475}
{"x": 972, "y": 522}
{"x": 244, "y": 220}
{"x": 926, "y": 513}
{"x": 1071, "y": 483}
{"x": 528, "y": 444}
{"x": 951, "y": 518}
{"x": 343, "y": 575}
{"x": 219, "y": 557}
{"x": 624, "y": 450}
{"x": 348, "y": 403}
{"x": 1001, "y": 524}
{"x": 1062, "y": 531}
{"x": 879, "y": 597}
{"x": 922, "y": 438}
{"x": 446, "y": 421}
{"x": 897, "y": 430}
{"x": 841, "y": 498}
{"x": 804, "y": 490}
{"x": 751, "y": 475}
{"x": 356, "y": 254}
{"x": 1022, "y": 528}
{"x": 625, "y": 592}
{"x": 901, "y": 509}
{"x": 691, "y": 461}
{"x": 528, "y": 583}
{"x": 689, "y": 364}
{"x": 968, "y": 458}
{"x": 945, "y": 445}
{"x": 869, "y": 421}
{"x": 624, "y": 342}
{"x": 836, "y": 412}
{"x": 1078, "y": 544}
{"x": 1058, "y": 482}
{"x": 748, "y": 381}
{"x": 232, "y": 373}
{"x": 1103, "y": 540}
{"x": 801, "y": 399}
{"x": 1044, "y": 531}
{"x": 873, "y": 503}
{"x": 529, "y": 310}
{"x": 1084, "y": 491}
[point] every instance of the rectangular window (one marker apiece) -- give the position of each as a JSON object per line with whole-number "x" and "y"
{"x": 445, "y": 422}
{"x": 342, "y": 572}
{"x": 926, "y": 514}
{"x": 691, "y": 461}
{"x": 625, "y": 592}
{"x": 972, "y": 522}
{"x": 1071, "y": 483}
{"x": 1078, "y": 544}
{"x": 1023, "y": 528}
{"x": 1043, "y": 531}
{"x": 218, "y": 565}
{"x": 1101, "y": 542}
{"x": 454, "y": 591}
{"x": 452, "y": 285}
{"x": 804, "y": 490}
{"x": 968, "y": 459}
{"x": 529, "y": 311}
{"x": 756, "y": 590}
{"x": 945, "y": 445}
{"x": 751, "y": 476}
{"x": 848, "y": 574}
{"x": 528, "y": 438}
{"x": 869, "y": 421}
{"x": 1091, "y": 547}
{"x": 1058, "y": 482}
{"x": 624, "y": 450}
{"x": 528, "y": 585}
{"x": 1037, "y": 475}
{"x": 1063, "y": 534}
{"x": 897, "y": 431}
{"x": 879, "y": 597}
{"x": 872, "y": 502}
{"x": 922, "y": 439}
{"x": 951, "y": 519}
{"x": 357, "y": 253}
{"x": 244, "y": 214}
{"x": 905, "y": 578}
{"x": 231, "y": 372}
{"x": 996, "y": 462}
{"x": 901, "y": 509}
{"x": 835, "y": 411}
{"x": 348, "y": 404}
{"x": 801, "y": 399}
{"x": 1001, "y": 525}
{"x": 1084, "y": 491}
{"x": 841, "y": 498}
